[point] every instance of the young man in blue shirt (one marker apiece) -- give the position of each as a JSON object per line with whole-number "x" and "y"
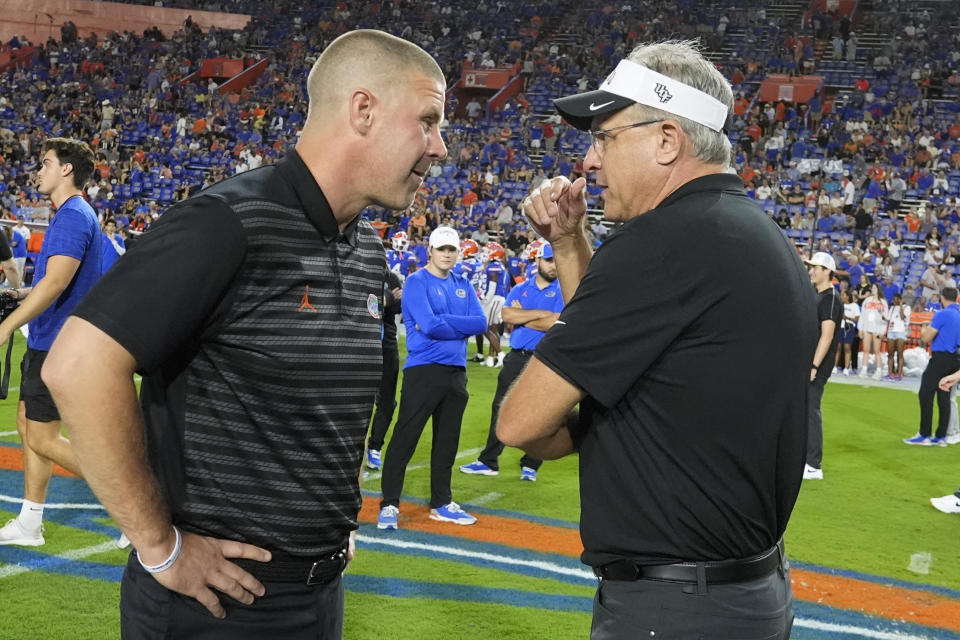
{"x": 440, "y": 311}
{"x": 68, "y": 266}
{"x": 532, "y": 307}
{"x": 943, "y": 336}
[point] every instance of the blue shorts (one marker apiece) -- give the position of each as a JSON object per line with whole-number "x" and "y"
{"x": 896, "y": 335}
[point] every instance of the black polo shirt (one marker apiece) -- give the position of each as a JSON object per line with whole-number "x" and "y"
{"x": 691, "y": 333}
{"x": 256, "y": 325}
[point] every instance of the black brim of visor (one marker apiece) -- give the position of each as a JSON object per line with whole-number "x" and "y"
{"x": 581, "y": 109}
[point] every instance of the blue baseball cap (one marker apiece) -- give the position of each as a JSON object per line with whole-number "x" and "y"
{"x": 546, "y": 251}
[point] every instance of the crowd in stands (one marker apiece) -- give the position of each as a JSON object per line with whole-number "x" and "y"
{"x": 869, "y": 167}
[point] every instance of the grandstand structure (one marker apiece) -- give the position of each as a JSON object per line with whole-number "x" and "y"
{"x": 196, "y": 103}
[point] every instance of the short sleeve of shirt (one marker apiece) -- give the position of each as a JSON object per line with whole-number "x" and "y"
{"x": 165, "y": 290}
{"x": 625, "y": 313}
{"x": 830, "y": 308}
{"x": 939, "y": 319}
{"x": 5, "y": 252}
{"x": 73, "y": 234}
{"x": 515, "y": 293}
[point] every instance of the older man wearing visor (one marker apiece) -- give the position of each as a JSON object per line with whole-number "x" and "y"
{"x": 691, "y": 435}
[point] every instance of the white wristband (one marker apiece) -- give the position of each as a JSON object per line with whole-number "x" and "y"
{"x": 166, "y": 564}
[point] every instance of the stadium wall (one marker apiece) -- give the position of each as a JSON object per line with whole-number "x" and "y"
{"x": 42, "y": 19}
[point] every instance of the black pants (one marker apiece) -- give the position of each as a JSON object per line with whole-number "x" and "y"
{"x": 513, "y": 364}
{"x": 386, "y": 396}
{"x": 430, "y": 390}
{"x": 815, "y": 423}
{"x": 292, "y": 611}
{"x": 759, "y": 609}
{"x": 941, "y": 364}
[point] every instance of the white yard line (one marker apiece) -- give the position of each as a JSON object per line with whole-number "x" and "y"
{"x": 74, "y": 554}
{"x": 56, "y": 505}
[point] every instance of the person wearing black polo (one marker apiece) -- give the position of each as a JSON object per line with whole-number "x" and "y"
{"x": 943, "y": 336}
{"x": 691, "y": 437}
{"x": 440, "y": 311}
{"x": 829, "y": 312}
{"x": 531, "y": 307}
{"x": 252, "y": 310}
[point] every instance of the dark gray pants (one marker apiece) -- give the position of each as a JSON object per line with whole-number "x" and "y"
{"x": 293, "y": 611}
{"x": 815, "y": 423}
{"x": 513, "y": 365}
{"x": 428, "y": 391}
{"x": 760, "y": 609}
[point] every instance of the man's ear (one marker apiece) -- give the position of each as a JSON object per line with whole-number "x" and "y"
{"x": 362, "y": 107}
{"x": 670, "y": 142}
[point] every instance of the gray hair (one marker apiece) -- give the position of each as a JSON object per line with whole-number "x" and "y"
{"x": 682, "y": 60}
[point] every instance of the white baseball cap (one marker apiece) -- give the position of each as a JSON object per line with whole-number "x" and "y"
{"x": 822, "y": 259}
{"x": 444, "y": 237}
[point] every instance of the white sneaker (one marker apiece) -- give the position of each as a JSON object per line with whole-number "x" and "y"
{"x": 14, "y": 533}
{"x": 947, "y": 504}
{"x": 953, "y": 438}
{"x": 499, "y": 363}
{"x": 123, "y": 541}
{"x": 878, "y": 375}
{"x": 846, "y": 372}
{"x": 863, "y": 372}
{"x": 489, "y": 362}
{"x": 812, "y": 473}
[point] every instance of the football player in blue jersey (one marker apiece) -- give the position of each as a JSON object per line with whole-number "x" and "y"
{"x": 399, "y": 259}
{"x": 494, "y": 286}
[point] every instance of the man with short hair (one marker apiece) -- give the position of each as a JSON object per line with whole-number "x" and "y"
{"x": 688, "y": 474}
{"x": 942, "y": 333}
{"x": 829, "y": 313}
{"x": 238, "y": 480}
{"x": 532, "y": 307}
{"x": 440, "y": 311}
{"x": 113, "y": 246}
{"x": 66, "y": 269}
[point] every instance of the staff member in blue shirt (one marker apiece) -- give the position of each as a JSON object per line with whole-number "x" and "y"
{"x": 943, "y": 336}
{"x": 68, "y": 266}
{"x": 532, "y": 307}
{"x": 440, "y": 311}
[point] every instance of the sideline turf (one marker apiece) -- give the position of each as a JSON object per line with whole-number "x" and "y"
{"x": 869, "y": 515}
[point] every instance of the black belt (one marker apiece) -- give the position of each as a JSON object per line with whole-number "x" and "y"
{"x": 287, "y": 568}
{"x": 714, "y": 572}
{"x": 523, "y": 352}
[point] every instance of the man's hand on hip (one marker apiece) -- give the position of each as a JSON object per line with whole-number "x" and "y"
{"x": 203, "y": 565}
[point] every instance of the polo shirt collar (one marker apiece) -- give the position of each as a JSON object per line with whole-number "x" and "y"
{"x": 714, "y": 182}
{"x": 302, "y": 183}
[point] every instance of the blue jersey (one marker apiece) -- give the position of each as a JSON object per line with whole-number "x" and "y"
{"x": 531, "y": 296}
{"x": 110, "y": 250}
{"x": 495, "y": 281}
{"x": 467, "y": 268}
{"x": 402, "y": 262}
{"x": 439, "y": 315}
{"x": 74, "y": 232}
{"x": 515, "y": 266}
{"x": 19, "y": 246}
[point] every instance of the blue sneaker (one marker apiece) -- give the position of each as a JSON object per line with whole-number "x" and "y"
{"x": 938, "y": 442}
{"x": 918, "y": 439}
{"x": 373, "y": 459}
{"x": 388, "y": 518}
{"x": 528, "y": 474}
{"x": 478, "y": 468}
{"x": 451, "y": 512}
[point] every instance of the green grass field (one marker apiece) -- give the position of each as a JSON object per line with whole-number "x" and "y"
{"x": 869, "y": 515}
